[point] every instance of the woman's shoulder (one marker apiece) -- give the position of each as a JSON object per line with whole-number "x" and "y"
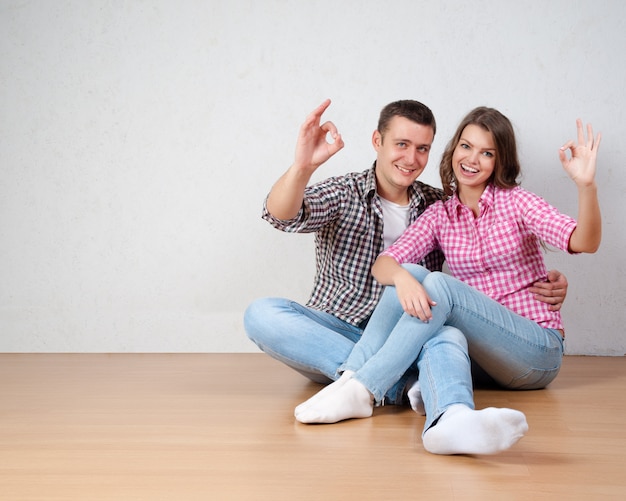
{"x": 517, "y": 194}
{"x": 519, "y": 199}
{"x": 438, "y": 207}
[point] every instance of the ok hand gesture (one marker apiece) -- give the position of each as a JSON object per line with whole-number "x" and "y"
{"x": 312, "y": 148}
{"x": 581, "y": 165}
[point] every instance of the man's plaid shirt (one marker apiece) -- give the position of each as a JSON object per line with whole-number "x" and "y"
{"x": 346, "y": 216}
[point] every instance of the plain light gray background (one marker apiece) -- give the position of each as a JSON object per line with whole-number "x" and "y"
{"x": 139, "y": 138}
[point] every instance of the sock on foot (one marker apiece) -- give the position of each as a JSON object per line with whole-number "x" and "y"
{"x": 415, "y": 397}
{"x": 461, "y": 430}
{"x": 327, "y": 390}
{"x": 351, "y": 400}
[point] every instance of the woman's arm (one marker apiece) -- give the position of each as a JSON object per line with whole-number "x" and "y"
{"x": 412, "y": 296}
{"x": 581, "y": 168}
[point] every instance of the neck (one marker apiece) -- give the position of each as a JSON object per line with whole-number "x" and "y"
{"x": 400, "y": 197}
{"x": 470, "y": 197}
{"x": 392, "y": 192}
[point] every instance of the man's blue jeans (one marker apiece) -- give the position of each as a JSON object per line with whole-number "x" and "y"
{"x": 312, "y": 342}
{"x": 515, "y": 351}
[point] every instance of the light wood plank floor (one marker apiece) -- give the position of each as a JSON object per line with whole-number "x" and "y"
{"x": 220, "y": 427}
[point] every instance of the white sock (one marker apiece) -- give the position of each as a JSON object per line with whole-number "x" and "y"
{"x": 324, "y": 391}
{"x": 415, "y": 397}
{"x": 461, "y": 430}
{"x": 351, "y": 400}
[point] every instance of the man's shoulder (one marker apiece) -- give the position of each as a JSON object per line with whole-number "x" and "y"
{"x": 357, "y": 182}
{"x": 429, "y": 193}
{"x": 359, "y": 177}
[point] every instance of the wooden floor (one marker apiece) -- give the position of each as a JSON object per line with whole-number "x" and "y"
{"x": 220, "y": 427}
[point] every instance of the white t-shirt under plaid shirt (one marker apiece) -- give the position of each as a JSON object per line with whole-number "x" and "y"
{"x": 346, "y": 216}
{"x": 499, "y": 252}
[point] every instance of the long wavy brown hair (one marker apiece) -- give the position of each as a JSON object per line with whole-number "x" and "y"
{"x": 507, "y": 167}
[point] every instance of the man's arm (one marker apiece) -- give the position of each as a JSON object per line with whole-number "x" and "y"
{"x": 553, "y": 291}
{"x": 312, "y": 150}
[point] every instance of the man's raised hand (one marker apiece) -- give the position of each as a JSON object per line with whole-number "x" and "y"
{"x": 313, "y": 147}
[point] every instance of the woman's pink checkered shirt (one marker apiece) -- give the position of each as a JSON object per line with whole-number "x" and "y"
{"x": 499, "y": 252}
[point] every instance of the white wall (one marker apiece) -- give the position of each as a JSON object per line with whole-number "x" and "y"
{"x": 139, "y": 138}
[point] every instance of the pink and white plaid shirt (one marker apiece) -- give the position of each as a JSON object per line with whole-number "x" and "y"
{"x": 498, "y": 253}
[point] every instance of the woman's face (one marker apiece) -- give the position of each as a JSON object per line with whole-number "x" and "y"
{"x": 474, "y": 158}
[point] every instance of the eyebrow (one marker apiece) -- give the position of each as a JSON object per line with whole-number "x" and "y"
{"x": 472, "y": 144}
{"x": 401, "y": 140}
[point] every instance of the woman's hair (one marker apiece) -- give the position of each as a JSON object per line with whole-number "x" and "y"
{"x": 507, "y": 167}
{"x": 412, "y": 110}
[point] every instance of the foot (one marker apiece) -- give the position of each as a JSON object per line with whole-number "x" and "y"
{"x": 327, "y": 390}
{"x": 351, "y": 400}
{"x": 415, "y": 398}
{"x": 461, "y": 430}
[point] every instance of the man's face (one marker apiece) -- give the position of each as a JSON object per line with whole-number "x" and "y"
{"x": 402, "y": 155}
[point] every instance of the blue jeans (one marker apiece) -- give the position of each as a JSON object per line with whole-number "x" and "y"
{"x": 312, "y": 342}
{"x": 515, "y": 351}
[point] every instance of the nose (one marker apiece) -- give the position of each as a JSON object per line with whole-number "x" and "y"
{"x": 411, "y": 156}
{"x": 473, "y": 156}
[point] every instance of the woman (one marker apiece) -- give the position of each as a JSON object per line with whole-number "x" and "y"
{"x": 491, "y": 232}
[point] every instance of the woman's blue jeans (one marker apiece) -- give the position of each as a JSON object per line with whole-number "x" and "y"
{"x": 515, "y": 351}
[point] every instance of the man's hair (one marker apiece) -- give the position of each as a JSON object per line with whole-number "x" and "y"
{"x": 507, "y": 166}
{"x": 412, "y": 110}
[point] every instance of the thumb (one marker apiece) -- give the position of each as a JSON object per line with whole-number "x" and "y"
{"x": 336, "y": 145}
{"x": 553, "y": 276}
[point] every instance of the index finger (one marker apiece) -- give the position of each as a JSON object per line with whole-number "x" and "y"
{"x": 579, "y": 129}
{"x": 317, "y": 112}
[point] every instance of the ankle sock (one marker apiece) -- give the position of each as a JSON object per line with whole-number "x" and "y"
{"x": 414, "y": 394}
{"x": 351, "y": 400}
{"x": 327, "y": 390}
{"x": 461, "y": 430}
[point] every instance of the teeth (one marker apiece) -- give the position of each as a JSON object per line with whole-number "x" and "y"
{"x": 405, "y": 170}
{"x": 469, "y": 169}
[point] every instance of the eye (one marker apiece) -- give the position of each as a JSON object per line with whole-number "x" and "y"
{"x": 401, "y": 144}
{"x": 488, "y": 154}
{"x": 465, "y": 146}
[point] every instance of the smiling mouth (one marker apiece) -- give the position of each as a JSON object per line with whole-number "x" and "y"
{"x": 406, "y": 171}
{"x": 471, "y": 170}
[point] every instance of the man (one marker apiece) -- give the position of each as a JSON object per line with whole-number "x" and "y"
{"x": 354, "y": 217}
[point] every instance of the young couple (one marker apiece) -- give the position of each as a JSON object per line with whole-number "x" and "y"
{"x": 503, "y": 312}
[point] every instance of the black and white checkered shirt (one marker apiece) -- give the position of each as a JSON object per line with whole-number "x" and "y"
{"x": 346, "y": 216}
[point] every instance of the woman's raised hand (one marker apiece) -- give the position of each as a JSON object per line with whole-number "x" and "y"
{"x": 580, "y": 165}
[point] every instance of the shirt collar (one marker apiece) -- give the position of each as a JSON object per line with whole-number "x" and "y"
{"x": 415, "y": 195}
{"x": 370, "y": 183}
{"x": 486, "y": 199}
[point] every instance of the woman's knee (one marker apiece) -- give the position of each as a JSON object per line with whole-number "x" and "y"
{"x": 448, "y": 335}
{"x": 453, "y": 335}
{"x": 417, "y": 271}
{"x": 435, "y": 278}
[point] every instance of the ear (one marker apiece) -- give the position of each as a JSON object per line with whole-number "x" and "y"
{"x": 377, "y": 140}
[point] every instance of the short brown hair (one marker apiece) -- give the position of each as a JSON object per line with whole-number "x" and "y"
{"x": 407, "y": 108}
